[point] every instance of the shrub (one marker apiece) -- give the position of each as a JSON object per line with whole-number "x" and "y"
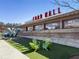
{"x": 46, "y": 44}
{"x": 34, "y": 45}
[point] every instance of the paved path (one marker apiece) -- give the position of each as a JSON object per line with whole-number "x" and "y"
{"x": 8, "y": 52}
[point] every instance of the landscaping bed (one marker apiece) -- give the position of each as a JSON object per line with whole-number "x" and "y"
{"x": 56, "y": 51}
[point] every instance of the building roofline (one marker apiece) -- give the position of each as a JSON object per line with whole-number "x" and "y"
{"x": 52, "y": 17}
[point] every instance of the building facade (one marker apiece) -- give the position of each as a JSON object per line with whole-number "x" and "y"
{"x": 63, "y": 27}
{"x": 2, "y": 28}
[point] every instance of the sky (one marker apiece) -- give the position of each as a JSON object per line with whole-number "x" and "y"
{"x": 21, "y": 11}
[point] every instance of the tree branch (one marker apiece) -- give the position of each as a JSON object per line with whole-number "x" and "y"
{"x": 64, "y": 4}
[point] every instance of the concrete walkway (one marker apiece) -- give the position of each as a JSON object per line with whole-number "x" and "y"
{"x": 8, "y": 52}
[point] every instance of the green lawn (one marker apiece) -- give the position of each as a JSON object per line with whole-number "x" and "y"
{"x": 57, "y": 51}
{"x": 0, "y": 33}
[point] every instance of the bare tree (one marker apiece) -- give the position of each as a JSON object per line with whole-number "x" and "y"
{"x": 65, "y": 3}
{"x": 12, "y": 25}
{"x": 1, "y": 23}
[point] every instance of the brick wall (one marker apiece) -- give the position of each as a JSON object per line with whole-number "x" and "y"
{"x": 2, "y": 28}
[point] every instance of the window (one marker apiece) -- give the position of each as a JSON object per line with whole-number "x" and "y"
{"x": 39, "y": 27}
{"x": 52, "y": 26}
{"x": 72, "y": 23}
{"x": 30, "y": 28}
